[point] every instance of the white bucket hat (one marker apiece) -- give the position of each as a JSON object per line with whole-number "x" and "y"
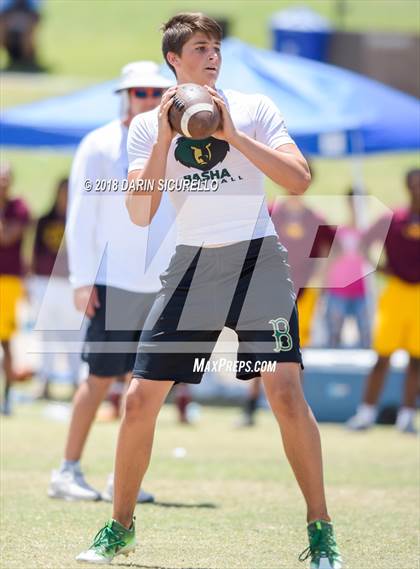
{"x": 142, "y": 74}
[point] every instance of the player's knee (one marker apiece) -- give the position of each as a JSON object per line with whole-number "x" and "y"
{"x": 137, "y": 407}
{"x": 98, "y": 386}
{"x": 133, "y": 405}
{"x": 286, "y": 397}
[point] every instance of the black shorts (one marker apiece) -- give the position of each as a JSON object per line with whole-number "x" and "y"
{"x": 245, "y": 286}
{"x": 114, "y": 331}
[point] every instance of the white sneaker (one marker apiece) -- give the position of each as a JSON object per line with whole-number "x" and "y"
{"x": 364, "y": 418}
{"x": 409, "y": 429}
{"x": 405, "y": 422}
{"x": 243, "y": 421}
{"x": 70, "y": 485}
{"x": 142, "y": 498}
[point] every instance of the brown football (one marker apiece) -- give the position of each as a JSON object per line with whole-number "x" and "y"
{"x": 193, "y": 113}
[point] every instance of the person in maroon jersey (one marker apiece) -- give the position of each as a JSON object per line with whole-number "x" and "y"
{"x": 14, "y": 218}
{"x": 49, "y": 236}
{"x": 306, "y": 236}
{"x": 398, "y": 316}
{"x": 51, "y": 290}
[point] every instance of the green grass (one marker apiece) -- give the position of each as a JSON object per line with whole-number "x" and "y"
{"x": 231, "y": 503}
{"x": 17, "y": 89}
{"x": 36, "y": 174}
{"x": 83, "y": 50}
{"x": 95, "y": 38}
{"x": 87, "y": 41}
{"x": 82, "y": 42}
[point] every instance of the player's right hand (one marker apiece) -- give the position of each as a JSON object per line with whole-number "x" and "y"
{"x": 165, "y": 131}
{"x": 86, "y": 300}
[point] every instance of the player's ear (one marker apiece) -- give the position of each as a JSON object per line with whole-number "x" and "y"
{"x": 172, "y": 58}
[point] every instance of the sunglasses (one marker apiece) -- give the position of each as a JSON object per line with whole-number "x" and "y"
{"x": 145, "y": 92}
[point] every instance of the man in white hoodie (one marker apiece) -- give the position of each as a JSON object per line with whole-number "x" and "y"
{"x": 114, "y": 268}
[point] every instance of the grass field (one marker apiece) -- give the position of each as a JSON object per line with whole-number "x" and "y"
{"x": 36, "y": 174}
{"x": 231, "y": 503}
{"x": 95, "y": 38}
{"x": 85, "y": 42}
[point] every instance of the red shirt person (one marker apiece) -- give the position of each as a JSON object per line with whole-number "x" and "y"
{"x": 14, "y": 218}
{"x": 52, "y": 295}
{"x": 306, "y": 236}
{"x": 402, "y": 244}
{"x": 397, "y": 325}
{"x": 49, "y": 254}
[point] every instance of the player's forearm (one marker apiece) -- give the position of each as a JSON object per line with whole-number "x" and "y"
{"x": 288, "y": 169}
{"x": 144, "y": 196}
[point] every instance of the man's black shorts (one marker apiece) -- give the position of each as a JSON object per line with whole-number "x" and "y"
{"x": 245, "y": 286}
{"x": 114, "y": 331}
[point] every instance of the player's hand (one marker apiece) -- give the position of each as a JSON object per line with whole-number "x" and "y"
{"x": 165, "y": 131}
{"x": 228, "y": 130}
{"x": 86, "y": 300}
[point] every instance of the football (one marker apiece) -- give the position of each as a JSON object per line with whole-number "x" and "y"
{"x": 193, "y": 113}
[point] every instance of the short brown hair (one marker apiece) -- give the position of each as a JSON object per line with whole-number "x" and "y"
{"x": 179, "y": 29}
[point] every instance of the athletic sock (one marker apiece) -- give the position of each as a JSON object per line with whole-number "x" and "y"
{"x": 69, "y": 465}
{"x": 251, "y": 406}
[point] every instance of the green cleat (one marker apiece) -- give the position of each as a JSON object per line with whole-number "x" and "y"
{"x": 113, "y": 539}
{"x": 323, "y": 550}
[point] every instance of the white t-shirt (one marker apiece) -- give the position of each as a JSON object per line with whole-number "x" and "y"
{"x": 104, "y": 246}
{"x": 233, "y": 207}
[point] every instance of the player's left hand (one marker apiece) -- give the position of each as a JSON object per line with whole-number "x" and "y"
{"x": 228, "y": 130}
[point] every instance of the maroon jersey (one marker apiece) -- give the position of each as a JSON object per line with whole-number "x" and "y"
{"x": 14, "y": 213}
{"x": 305, "y": 235}
{"x": 402, "y": 244}
{"x": 49, "y": 253}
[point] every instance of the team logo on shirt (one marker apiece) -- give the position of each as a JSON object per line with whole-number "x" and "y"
{"x": 201, "y": 154}
{"x": 295, "y": 230}
{"x": 52, "y": 235}
{"x": 281, "y": 335}
{"x": 412, "y": 231}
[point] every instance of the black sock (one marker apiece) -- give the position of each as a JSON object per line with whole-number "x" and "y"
{"x": 251, "y": 406}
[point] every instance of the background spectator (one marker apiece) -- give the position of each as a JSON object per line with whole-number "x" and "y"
{"x": 351, "y": 300}
{"x": 18, "y": 22}
{"x": 397, "y": 324}
{"x": 50, "y": 275}
{"x": 14, "y": 218}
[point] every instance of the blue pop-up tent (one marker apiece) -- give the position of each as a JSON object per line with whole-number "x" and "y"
{"x": 328, "y": 110}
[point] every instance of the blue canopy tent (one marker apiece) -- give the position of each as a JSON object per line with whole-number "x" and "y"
{"x": 328, "y": 110}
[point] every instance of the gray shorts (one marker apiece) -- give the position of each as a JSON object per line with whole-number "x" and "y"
{"x": 245, "y": 286}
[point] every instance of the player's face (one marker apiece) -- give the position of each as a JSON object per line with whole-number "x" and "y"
{"x": 199, "y": 61}
{"x": 143, "y": 99}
